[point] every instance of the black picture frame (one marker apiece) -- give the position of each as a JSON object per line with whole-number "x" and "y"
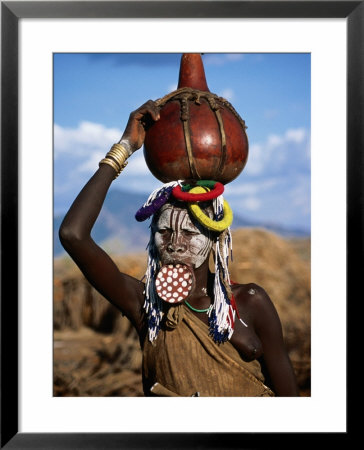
{"x": 11, "y": 12}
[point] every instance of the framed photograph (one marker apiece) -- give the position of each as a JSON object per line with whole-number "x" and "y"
{"x": 32, "y": 34}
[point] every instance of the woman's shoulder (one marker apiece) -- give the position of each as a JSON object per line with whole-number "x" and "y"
{"x": 249, "y": 291}
{"x": 253, "y": 297}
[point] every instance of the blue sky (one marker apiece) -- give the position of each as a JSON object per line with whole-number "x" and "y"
{"x": 95, "y": 93}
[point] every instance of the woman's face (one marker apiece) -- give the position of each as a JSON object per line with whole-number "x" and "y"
{"x": 178, "y": 240}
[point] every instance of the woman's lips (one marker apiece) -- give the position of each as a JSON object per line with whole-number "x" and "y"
{"x": 184, "y": 261}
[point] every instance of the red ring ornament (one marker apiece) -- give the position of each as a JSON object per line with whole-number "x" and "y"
{"x": 217, "y": 190}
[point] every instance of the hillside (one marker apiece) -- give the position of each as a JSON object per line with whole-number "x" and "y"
{"x": 96, "y": 351}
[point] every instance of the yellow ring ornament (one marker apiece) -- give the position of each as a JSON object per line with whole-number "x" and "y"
{"x": 204, "y": 220}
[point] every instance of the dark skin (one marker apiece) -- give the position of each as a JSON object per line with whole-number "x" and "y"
{"x": 262, "y": 339}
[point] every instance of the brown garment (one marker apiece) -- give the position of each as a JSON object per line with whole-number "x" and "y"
{"x": 184, "y": 360}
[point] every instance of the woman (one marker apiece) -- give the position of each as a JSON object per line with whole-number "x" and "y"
{"x": 186, "y": 350}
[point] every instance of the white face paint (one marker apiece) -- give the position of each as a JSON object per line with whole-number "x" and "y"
{"x": 178, "y": 240}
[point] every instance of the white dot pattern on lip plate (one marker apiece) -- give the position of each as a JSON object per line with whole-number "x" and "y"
{"x": 174, "y": 283}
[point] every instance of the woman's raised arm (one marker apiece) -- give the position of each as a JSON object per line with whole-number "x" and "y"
{"x": 123, "y": 291}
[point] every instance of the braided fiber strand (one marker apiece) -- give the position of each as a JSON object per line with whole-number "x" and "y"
{"x": 222, "y": 314}
{"x": 152, "y": 304}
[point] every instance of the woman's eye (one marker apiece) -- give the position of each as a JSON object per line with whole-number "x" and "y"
{"x": 190, "y": 232}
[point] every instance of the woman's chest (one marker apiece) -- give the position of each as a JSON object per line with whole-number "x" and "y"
{"x": 244, "y": 339}
{"x": 246, "y": 342}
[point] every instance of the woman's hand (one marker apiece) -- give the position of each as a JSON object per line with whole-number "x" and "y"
{"x": 139, "y": 119}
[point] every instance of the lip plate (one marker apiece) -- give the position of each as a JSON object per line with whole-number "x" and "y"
{"x": 160, "y": 278}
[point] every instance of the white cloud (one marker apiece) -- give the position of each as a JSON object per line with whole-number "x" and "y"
{"x": 87, "y": 137}
{"x": 171, "y": 88}
{"x": 87, "y": 144}
{"x": 295, "y": 135}
{"x": 78, "y": 152}
{"x": 251, "y": 204}
{"x": 241, "y": 189}
{"x": 279, "y": 152}
{"x": 234, "y": 56}
{"x": 221, "y": 59}
{"x": 274, "y": 141}
{"x": 228, "y": 94}
{"x": 250, "y": 188}
{"x": 300, "y": 195}
{"x": 275, "y": 184}
{"x": 270, "y": 113}
{"x": 256, "y": 160}
{"x": 91, "y": 163}
{"x": 137, "y": 164}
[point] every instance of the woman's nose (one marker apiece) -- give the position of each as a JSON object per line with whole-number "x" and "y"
{"x": 176, "y": 245}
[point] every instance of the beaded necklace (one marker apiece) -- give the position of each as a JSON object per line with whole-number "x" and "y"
{"x": 195, "y": 309}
